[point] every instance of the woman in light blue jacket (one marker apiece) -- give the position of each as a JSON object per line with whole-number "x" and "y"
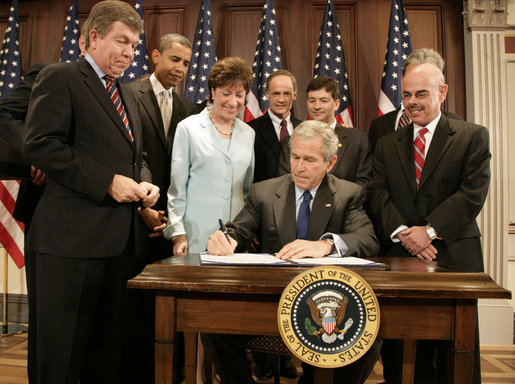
{"x": 212, "y": 161}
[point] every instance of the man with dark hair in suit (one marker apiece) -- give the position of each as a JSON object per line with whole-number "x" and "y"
{"x": 354, "y": 161}
{"x": 84, "y": 132}
{"x": 429, "y": 182}
{"x": 276, "y": 209}
{"x": 161, "y": 108}
{"x": 275, "y": 126}
{"x": 396, "y": 119}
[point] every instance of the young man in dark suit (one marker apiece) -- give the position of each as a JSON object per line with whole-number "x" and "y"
{"x": 354, "y": 161}
{"x": 276, "y": 125}
{"x": 430, "y": 180}
{"x": 337, "y": 224}
{"x": 161, "y": 109}
{"x": 87, "y": 138}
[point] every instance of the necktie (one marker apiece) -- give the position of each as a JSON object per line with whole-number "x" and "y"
{"x": 420, "y": 153}
{"x": 117, "y": 101}
{"x": 403, "y": 121}
{"x": 166, "y": 111}
{"x": 303, "y": 217}
{"x": 284, "y": 131}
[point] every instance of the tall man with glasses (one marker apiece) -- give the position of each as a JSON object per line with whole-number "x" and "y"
{"x": 429, "y": 182}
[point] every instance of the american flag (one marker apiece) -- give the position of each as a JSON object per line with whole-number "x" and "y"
{"x": 11, "y": 231}
{"x": 70, "y": 50}
{"x": 203, "y": 58}
{"x": 398, "y": 49}
{"x": 267, "y": 59}
{"x": 330, "y": 61}
{"x": 139, "y": 66}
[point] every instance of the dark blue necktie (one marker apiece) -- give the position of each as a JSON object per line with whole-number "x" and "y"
{"x": 303, "y": 217}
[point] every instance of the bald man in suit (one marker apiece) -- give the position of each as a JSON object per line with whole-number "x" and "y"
{"x": 430, "y": 180}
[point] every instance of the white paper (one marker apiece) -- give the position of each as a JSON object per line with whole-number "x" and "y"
{"x": 267, "y": 259}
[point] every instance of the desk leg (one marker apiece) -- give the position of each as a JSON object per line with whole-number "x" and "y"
{"x": 165, "y": 338}
{"x": 408, "y": 360}
{"x": 461, "y": 354}
{"x": 190, "y": 346}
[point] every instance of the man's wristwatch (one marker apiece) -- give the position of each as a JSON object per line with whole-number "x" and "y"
{"x": 333, "y": 247}
{"x": 431, "y": 232}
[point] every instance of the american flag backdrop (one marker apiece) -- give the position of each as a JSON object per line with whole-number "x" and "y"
{"x": 267, "y": 59}
{"x": 11, "y": 231}
{"x": 398, "y": 49}
{"x": 70, "y": 50}
{"x": 330, "y": 61}
{"x": 203, "y": 58}
{"x": 139, "y": 66}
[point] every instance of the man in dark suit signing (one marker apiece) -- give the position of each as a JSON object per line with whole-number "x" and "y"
{"x": 354, "y": 157}
{"x": 161, "y": 108}
{"x": 84, "y": 132}
{"x": 430, "y": 180}
{"x": 308, "y": 213}
{"x": 275, "y": 127}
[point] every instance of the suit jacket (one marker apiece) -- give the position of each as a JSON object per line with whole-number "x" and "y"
{"x": 210, "y": 178}
{"x": 157, "y": 147}
{"x": 383, "y": 125}
{"x": 76, "y": 136}
{"x": 337, "y": 208}
{"x": 267, "y": 148}
{"x": 354, "y": 156}
{"x": 13, "y": 112}
{"x": 453, "y": 188}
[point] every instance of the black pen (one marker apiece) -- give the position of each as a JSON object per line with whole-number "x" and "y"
{"x": 224, "y": 229}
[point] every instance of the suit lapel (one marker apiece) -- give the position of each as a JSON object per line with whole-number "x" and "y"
{"x": 268, "y": 132}
{"x": 441, "y": 141}
{"x": 211, "y": 134}
{"x": 149, "y": 102}
{"x": 343, "y": 143}
{"x": 404, "y": 150}
{"x": 98, "y": 90}
{"x": 284, "y": 211}
{"x": 323, "y": 207}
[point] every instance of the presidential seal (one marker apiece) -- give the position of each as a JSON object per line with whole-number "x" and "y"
{"x": 328, "y": 316}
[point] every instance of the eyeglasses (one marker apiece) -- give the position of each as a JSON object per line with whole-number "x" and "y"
{"x": 420, "y": 95}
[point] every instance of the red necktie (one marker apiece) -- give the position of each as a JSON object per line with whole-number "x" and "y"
{"x": 420, "y": 153}
{"x": 284, "y": 132}
{"x": 403, "y": 121}
{"x": 117, "y": 101}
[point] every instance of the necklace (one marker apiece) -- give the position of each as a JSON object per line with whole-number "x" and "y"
{"x": 218, "y": 129}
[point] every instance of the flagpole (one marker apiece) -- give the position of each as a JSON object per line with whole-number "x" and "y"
{"x": 8, "y": 329}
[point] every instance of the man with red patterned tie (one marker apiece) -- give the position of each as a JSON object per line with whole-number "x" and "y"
{"x": 83, "y": 130}
{"x": 429, "y": 182}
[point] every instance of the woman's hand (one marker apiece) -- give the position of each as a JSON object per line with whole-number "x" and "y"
{"x": 180, "y": 245}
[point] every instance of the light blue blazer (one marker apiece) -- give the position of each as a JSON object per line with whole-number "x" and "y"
{"x": 209, "y": 180}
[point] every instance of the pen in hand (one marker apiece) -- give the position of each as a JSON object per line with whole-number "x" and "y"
{"x": 224, "y": 230}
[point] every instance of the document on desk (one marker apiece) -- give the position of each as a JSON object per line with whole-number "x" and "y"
{"x": 267, "y": 259}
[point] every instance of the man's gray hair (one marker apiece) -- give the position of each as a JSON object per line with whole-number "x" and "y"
{"x": 311, "y": 129}
{"x": 423, "y": 56}
{"x": 166, "y": 41}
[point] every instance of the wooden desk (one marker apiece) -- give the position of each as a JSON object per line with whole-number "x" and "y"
{"x": 418, "y": 301}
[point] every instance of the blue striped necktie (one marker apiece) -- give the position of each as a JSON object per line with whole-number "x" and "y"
{"x": 303, "y": 216}
{"x": 117, "y": 101}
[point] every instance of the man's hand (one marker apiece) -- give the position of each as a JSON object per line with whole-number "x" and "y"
{"x": 38, "y": 176}
{"x": 180, "y": 246}
{"x": 151, "y": 194}
{"x": 299, "y": 249}
{"x": 154, "y": 220}
{"x": 414, "y": 239}
{"x": 219, "y": 246}
{"x": 428, "y": 253}
{"x": 125, "y": 190}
